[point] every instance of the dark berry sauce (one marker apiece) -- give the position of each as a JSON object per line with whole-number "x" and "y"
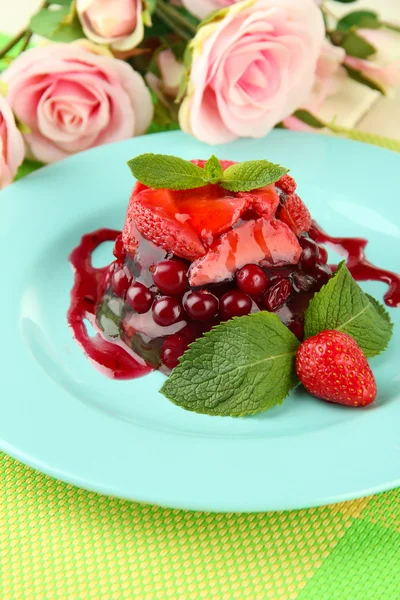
{"x": 353, "y": 250}
{"x": 146, "y": 315}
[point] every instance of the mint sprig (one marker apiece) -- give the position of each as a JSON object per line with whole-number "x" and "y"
{"x": 341, "y": 304}
{"x": 241, "y": 367}
{"x": 171, "y": 172}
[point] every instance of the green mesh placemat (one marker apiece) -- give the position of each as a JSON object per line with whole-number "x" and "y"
{"x": 61, "y": 542}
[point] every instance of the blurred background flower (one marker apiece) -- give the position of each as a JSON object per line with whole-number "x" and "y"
{"x": 11, "y": 145}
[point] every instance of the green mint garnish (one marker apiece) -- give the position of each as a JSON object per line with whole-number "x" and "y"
{"x": 171, "y": 172}
{"x": 341, "y": 304}
{"x": 241, "y": 367}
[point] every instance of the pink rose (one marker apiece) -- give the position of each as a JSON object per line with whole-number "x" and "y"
{"x": 11, "y": 145}
{"x": 329, "y": 78}
{"x": 171, "y": 71}
{"x": 202, "y": 8}
{"x": 379, "y": 68}
{"x": 73, "y": 100}
{"x": 251, "y": 69}
{"x": 115, "y": 22}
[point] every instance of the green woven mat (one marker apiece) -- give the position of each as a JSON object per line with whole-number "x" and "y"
{"x": 61, "y": 542}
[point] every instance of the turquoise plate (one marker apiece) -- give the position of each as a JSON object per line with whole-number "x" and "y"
{"x": 60, "y": 415}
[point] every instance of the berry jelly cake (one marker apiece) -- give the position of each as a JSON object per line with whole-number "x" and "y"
{"x": 189, "y": 259}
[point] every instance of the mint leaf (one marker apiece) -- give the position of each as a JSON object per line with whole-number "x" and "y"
{"x": 213, "y": 170}
{"x": 241, "y": 367}
{"x": 341, "y": 304}
{"x": 164, "y": 171}
{"x": 251, "y": 175}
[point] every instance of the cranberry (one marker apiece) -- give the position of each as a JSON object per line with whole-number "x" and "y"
{"x": 252, "y": 280}
{"x": 235, "y": 304}
{"x": 173, "y": 348}
{"x": 119, "y": 248}
{"x": 167, "y": 311}
{"x": 201, "y": 306}
{"x": 139, "y": 298}
{"x": 277, "y": 294}
{"x": 310, "y": 254}
{"x": 170, "y": 276}
{"x": 323, "y": 255}
{"x": 322, "y": 273}
{"x": 121, "y": 280}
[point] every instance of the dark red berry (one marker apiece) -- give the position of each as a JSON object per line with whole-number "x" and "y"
{"x": 277, "y": 294}
{"x": 170, "y": 276}
{"x": 201, "y": 306}
{"x": 322, "y": 273}
{"x": 323, "y": 255}
{"x": 252, "y": 280}
{"x": 235, "y": 304}
{"x": 302, "y": 282}
{"x": 139, "y": 298}
{"x": 296, "y": 326}
{"x": 309, "y": 256}
{"x": 119, "y": 250}
{"x": 173, "y": 348}
{"x": 167, "y": 311}
{"x": 121, "y": 280}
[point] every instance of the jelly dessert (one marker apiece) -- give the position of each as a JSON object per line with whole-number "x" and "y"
{"x": 189, "y": 259}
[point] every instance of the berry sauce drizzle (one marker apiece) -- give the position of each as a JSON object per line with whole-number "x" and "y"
{"x": 114, "y": 360}
{"x": 108, "y": 357}
{"x": 353, "y": 250}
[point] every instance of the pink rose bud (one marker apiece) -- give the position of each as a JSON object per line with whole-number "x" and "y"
{"x": 171, "y": 71}
{"x": 380, "y": 68}
{"x": 251, "y": 69}
{"x": 72, "y": 99}
{"x": 115, "y": 22}
{"x": 11, "y": 145}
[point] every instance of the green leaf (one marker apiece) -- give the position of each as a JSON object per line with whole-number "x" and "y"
{"x": 54, "y": 25}
{"x": 241, "y": 367}
{"x": 27, "y": 167}
{"x": 360, "y": 78}
{"x": 215, "y": 15}
{"x": 150, "y": 5}
{"x": 391, "y": 26}
{"x": 309, "y": 119}
{"x": 182, "y": 87}
{"x": 357, "y": 46}
{"x": 359, "y": 18}
{"x": 213, "y": 170}
{"x": 380, "y": 309}
{"x": 341, "y": 304}
{"x": 164, "y": 171}
{"x": 251, "y": 175}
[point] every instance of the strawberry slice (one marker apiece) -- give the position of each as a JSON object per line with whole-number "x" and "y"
{"x": 270, "y": 243}
{"x": 295, "y": 214}
{"x": 181, "y": 221}
{"x": 263, "y": 201}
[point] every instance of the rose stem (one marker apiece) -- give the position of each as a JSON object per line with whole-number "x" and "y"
{"x": 174, "y": 26}
{"x": 174, "y": 14}
{"x": 12, "y": 43}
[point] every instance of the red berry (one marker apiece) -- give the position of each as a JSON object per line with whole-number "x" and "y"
{"x": 295, "y": 214}
{"x": 287, "y": 184}
{"x": 139, "y": 298}
{"x": 119, "y": 250}
{"x": 201, "y": 306}
{"x": 277, "y": 294}
{"x": 296, "y": 326}
{"x": 322, "y": 273}
{"x": 167, "y": 311}
{"x": 173, "y": 348}
{"x": 170, "y": 276}
{"x": 310, "y": 254}
{"x": 323, "y": 255}
{"x": 332, "y": 366}
{"x": 121, "y": 280}
{"x": 235, "y": 304}
{"x": 252, "y": 280}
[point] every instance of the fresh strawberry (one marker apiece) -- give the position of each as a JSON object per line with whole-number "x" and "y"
{"x": 295, "y": 214}
{"x": 287, "y": 184}
{"x": 263, "y": 201}
{"x": 224, "y": 163}
{"x": 179, "y": 221}
{"x": 332, "y": 366}
{"x": 270, "y": 243}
